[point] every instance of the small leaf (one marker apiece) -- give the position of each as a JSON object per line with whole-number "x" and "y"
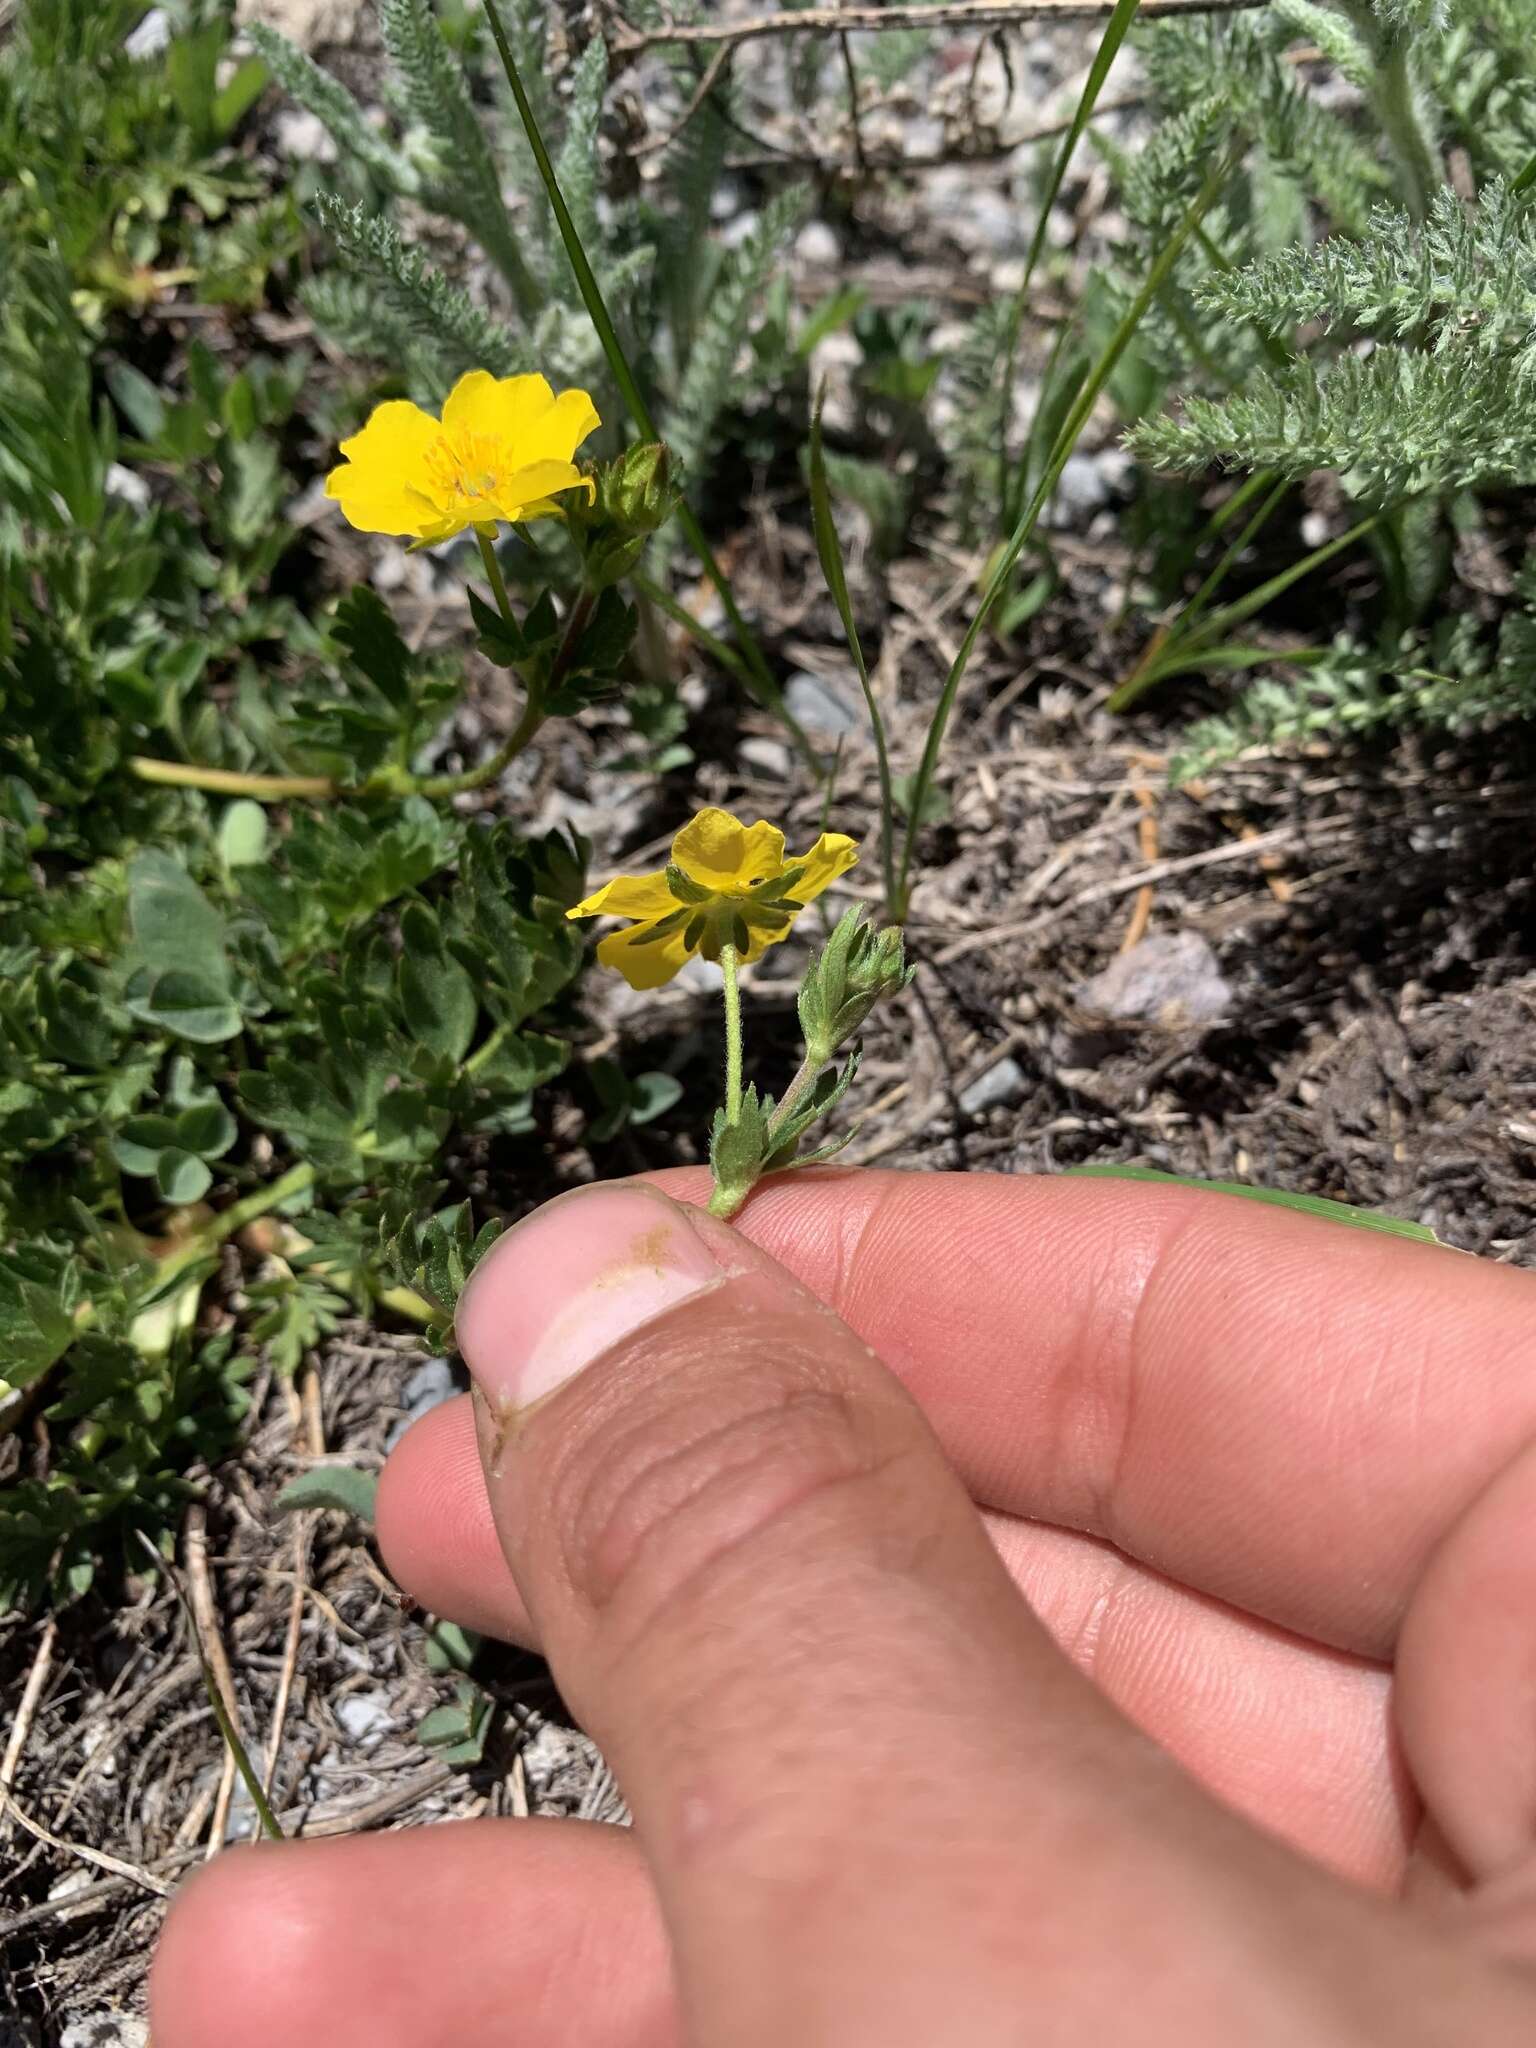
{"x": 652, "y": 1095}
{"x": 499, "y": 639}
{"x": 140, "y": 1141}
{"x": 141, "y": 403}
{"x": 436, "y": 993}
{"x": 451, "y": 1648}
{"x": 206, "y": 1128}
{"x": 366, "y": 628}
{"x": 174, "y": 924}
{"x": 935, "y": 805}
{"x": 194, "y": 1007}
{"x": 182, "y": 1176}
{"x": 243, "y": 834}
{"x": 340, "y": 1487}
{"x": 234, "y": 100}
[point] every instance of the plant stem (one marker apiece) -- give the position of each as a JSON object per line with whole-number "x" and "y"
{"x": 296, "y": 1181}
{"x": 498, "y": 582}
{"x": 730, "y": 961}
{"x": 489, "y": 769}
{"x": 1397, "y": 107}
{"x": 804, "y": 1078}
{"x": 231, "y": 781}
{"x": 762, "y": 684}
{"x": 1066, "y": 441}
{"x": 570, "y": 640}
{"x": 664, "y": 601}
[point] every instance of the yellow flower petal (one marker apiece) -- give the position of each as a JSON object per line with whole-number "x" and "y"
{"x": 718, "y": 852}
{"x": 643, "y": 966}
{"x": 833, "y": 854}
{"x": 526, "y": 492}
{"x": 503, "y": 407}
{"x": 628, "y": 896}
{"x": 555, "y": 435}
{"x": 380, "y": 486}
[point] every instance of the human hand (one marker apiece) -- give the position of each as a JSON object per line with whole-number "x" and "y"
{"x": 1266, "y": 1486}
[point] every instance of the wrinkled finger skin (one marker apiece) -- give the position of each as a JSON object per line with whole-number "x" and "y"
{"x": 1237, "y": 1464}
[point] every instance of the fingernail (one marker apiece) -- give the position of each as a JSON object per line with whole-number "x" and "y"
{"x": 570, "y": 1282}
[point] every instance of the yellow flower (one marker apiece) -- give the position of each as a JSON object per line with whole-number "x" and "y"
{"x": 501, "y": 450}
{"x": 726, "y": 884}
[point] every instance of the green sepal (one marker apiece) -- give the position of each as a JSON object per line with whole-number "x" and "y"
{"x": 738, "y": 1146}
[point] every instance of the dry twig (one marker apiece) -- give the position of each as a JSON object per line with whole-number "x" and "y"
{"x": 32, "y": 1692}
{"x": 870, "y": 20}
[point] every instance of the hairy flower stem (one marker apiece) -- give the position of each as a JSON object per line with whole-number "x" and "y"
{"x": 497, "y": 581}
{"x": 816, "y": 1058}
{"x": 730, "y": 962}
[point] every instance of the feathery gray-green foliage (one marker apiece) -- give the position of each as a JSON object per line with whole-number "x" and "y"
{"x": 324, "y": 96}
{"x": 439, "y": 316}
{"x": 1460, "y": 679}
{"x": 710, "y": 377}
{"x": 1445, "y": 399}
{"x": 1376, "y": 324}
{"x": 468, "y": 181}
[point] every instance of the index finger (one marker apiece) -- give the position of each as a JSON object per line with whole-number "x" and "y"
{"x": 1280, "y": 1411}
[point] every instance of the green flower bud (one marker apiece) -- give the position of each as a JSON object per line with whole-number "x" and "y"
{"x": 857, "y": 966}
{"x": 637, "y": 490}
{"x": 634, "y": 496}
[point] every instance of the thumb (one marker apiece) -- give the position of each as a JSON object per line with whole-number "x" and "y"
{"x": 854, "y": 1758}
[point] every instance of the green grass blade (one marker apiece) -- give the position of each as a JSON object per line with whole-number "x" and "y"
{"x": 1066, "y": 441}
{"x": 1279, "y": 1198}
{"x": 831, "y": 554}
{"x": 763, "y": 685}
{"x": 680, "y": 615}
{"x": 1171, "y": 655}
{"x": 270, "y": 1825}
{"x": 1115, "y": 31}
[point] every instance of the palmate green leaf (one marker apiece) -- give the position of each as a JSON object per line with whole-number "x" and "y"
{"x": 40, "y": 1289}
{"x": 365, "y": 626}
{"x": 434, "y": 1255}
{"x": 1280, "y": 1198}
{"x": 828, "y": 1092}
{"x": 437, "y": 996}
